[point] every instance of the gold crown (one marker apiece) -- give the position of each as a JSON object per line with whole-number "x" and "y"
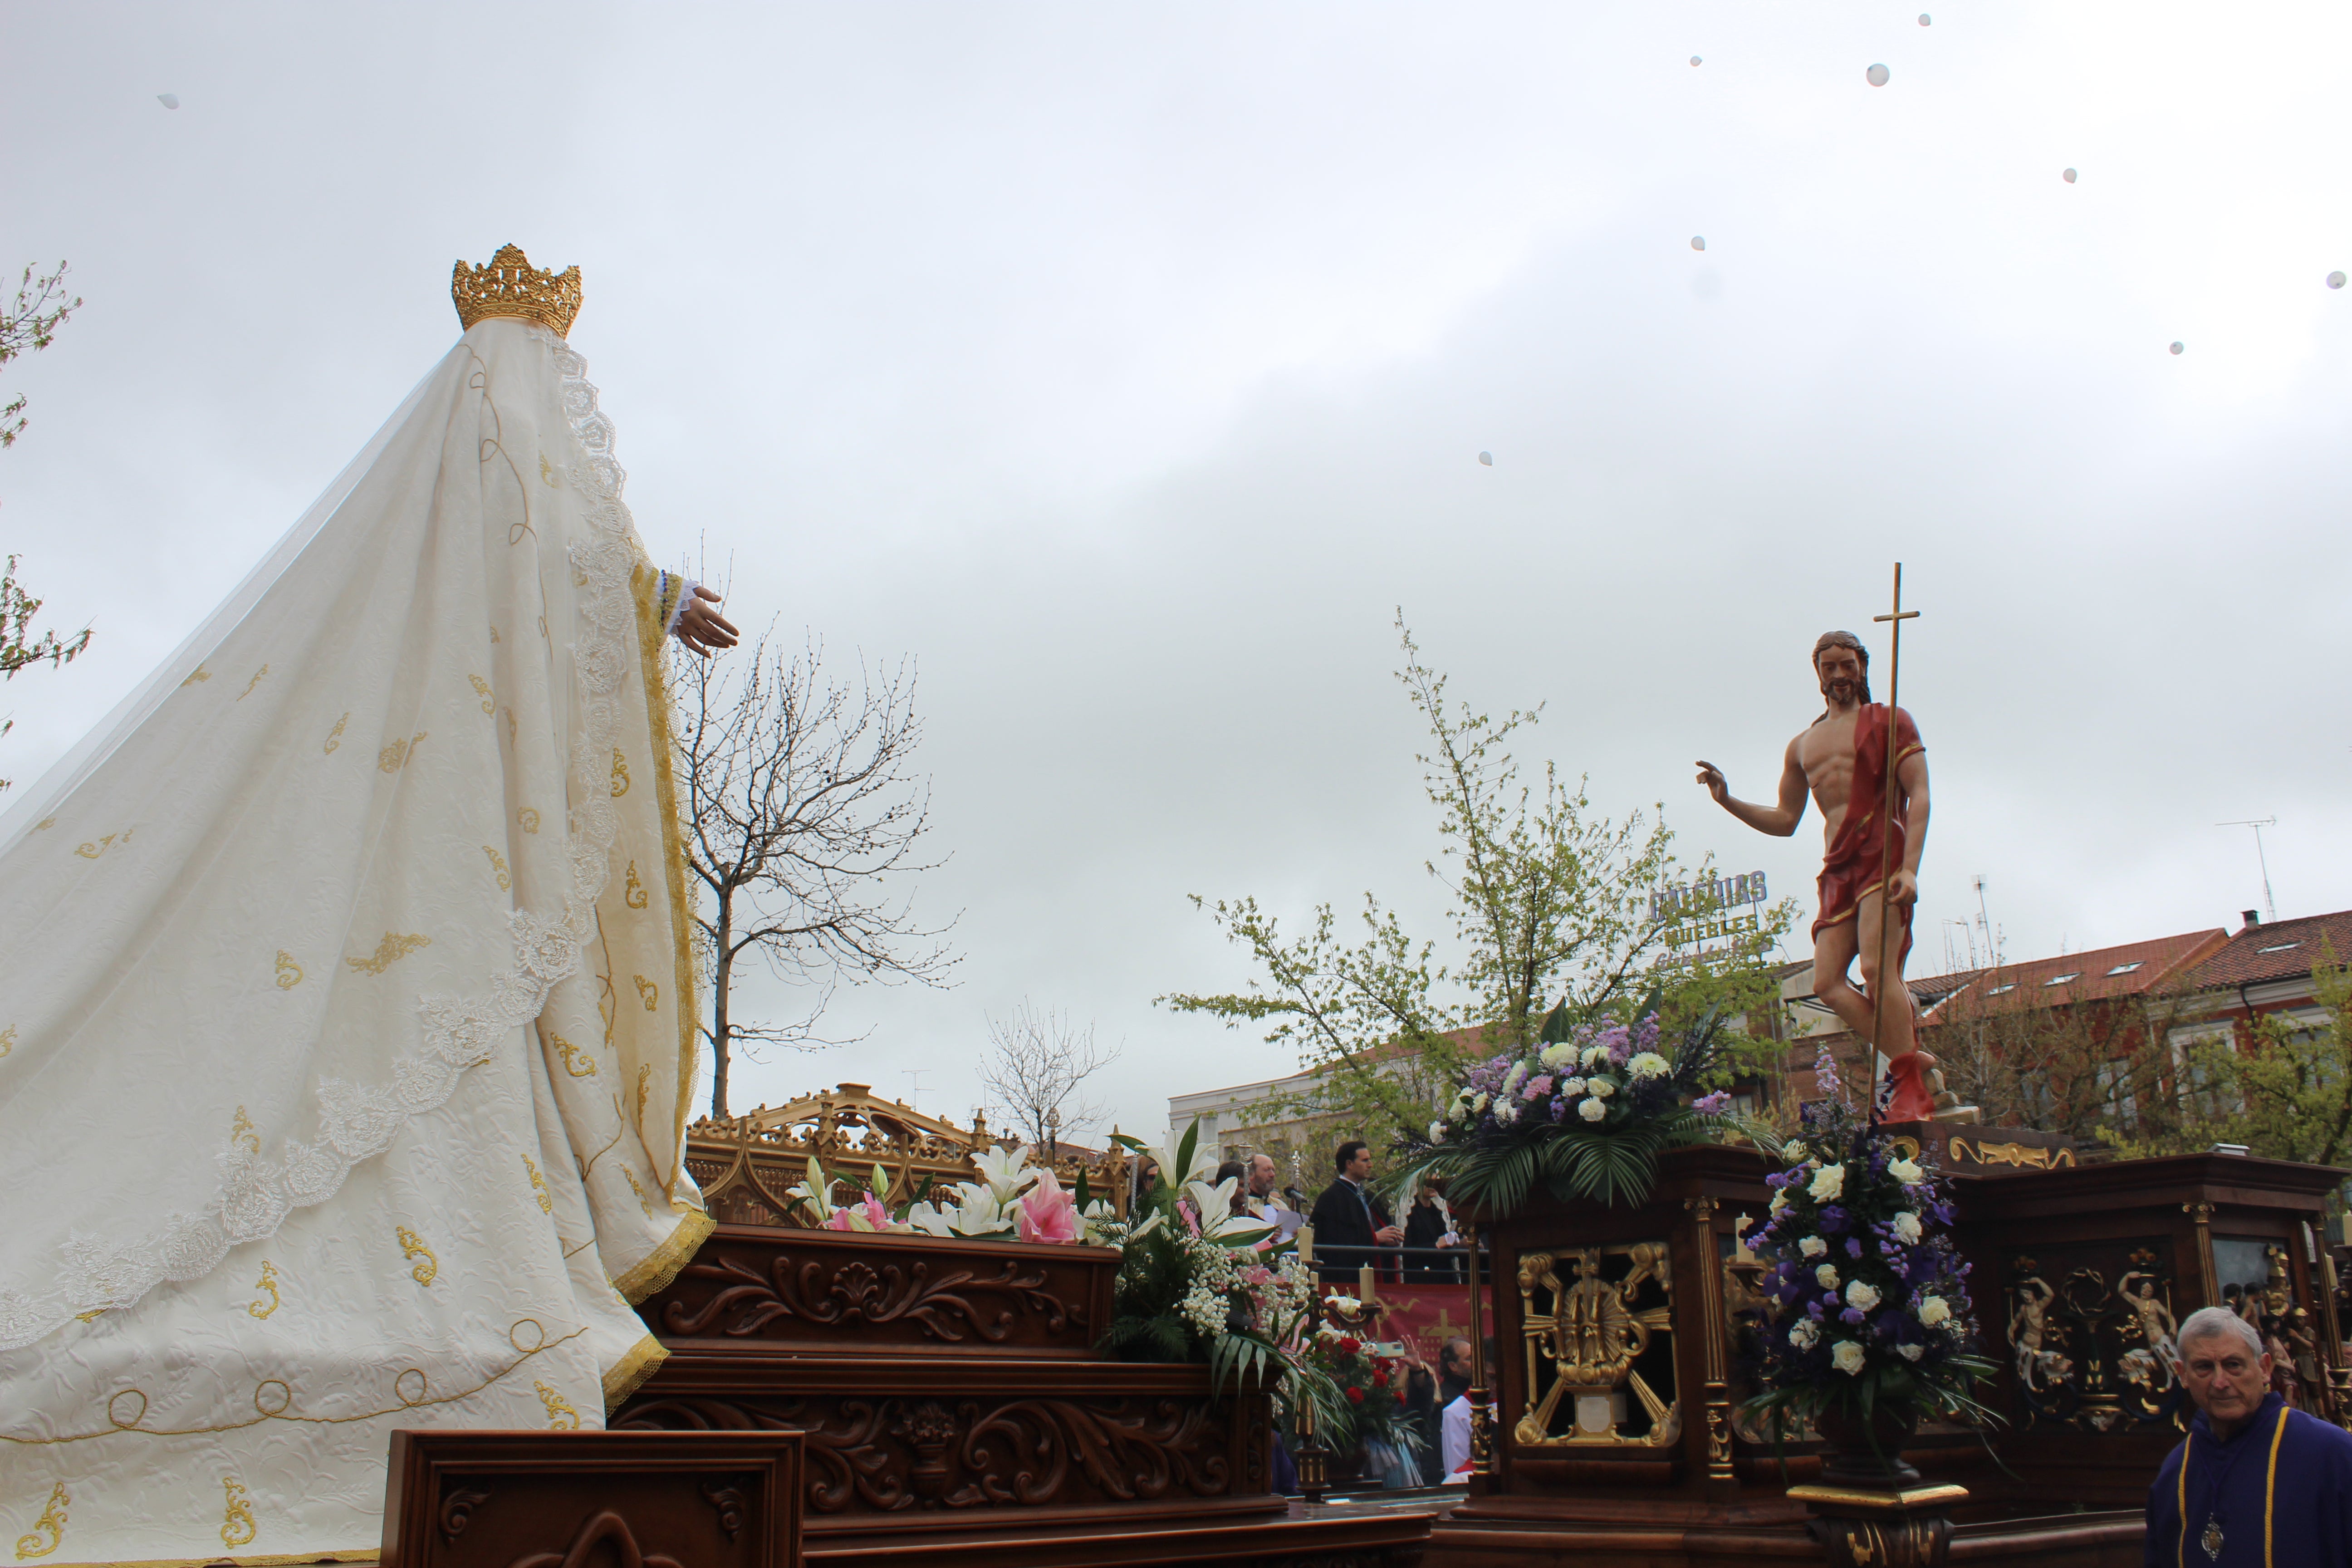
{"x": 511, "y": 286}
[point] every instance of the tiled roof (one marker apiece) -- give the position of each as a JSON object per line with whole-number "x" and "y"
{"x": 2136, "y": 968}
{"x": 2282, "y": 950}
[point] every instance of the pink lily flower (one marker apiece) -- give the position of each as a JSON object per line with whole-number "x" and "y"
{"x": 1047, "y": 1214}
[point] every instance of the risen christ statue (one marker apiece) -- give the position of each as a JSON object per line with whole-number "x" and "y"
{"x": 1842, "y": 757}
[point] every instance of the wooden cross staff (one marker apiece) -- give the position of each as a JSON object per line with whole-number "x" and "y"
{"x": 1886, "y": 837}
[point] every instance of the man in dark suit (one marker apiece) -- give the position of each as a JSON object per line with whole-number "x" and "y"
{"x": 1348, "y": 1221}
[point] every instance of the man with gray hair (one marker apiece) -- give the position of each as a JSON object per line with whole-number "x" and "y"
{"x": 2253, "y": 1483}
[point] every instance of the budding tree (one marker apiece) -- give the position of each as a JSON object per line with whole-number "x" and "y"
{"x": 27, "y": 327}
{"x": 805, "y": 819}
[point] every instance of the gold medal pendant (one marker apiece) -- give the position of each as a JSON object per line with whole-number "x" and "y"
{"x": 2212, "y": 1540}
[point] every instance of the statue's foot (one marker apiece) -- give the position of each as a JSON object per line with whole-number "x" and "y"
{"x": 1911, "y": 1101}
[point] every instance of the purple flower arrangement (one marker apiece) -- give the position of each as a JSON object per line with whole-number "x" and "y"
{"x": 1868, "y": 1302}
{"x": 1587, "y": 1108}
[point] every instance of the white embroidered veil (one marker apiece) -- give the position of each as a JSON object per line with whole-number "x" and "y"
{"x": 346, "y": 1022}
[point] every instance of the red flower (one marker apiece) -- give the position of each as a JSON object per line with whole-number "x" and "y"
{"x": 1355, "y": 1397}
{"x": 1350, "y": 1345}
{"x": 1380, "y": 1380}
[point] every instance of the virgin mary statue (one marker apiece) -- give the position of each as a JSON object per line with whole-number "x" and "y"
{"x": 346, "y": 1018}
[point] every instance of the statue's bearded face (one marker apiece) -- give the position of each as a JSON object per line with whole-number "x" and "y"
{"x": 1841, "y": 673}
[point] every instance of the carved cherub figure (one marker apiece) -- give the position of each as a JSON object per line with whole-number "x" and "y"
{"x": 2154, "y": 1319}
{"x": 2027, "y": 1325}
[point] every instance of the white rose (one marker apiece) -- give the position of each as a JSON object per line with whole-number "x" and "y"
{"x": 1905, "y": 1172}
{"x": 1793, "y": 1151}
{"x": 1847, "y": 1357}
{"x": 1931, "y": 1310}
{"x": 1827, "y": 1183}
{"x": 1592, "y": 1110}
{"x": 1905, "y": 1227}
{"x": 1827, "y": 1274}
{"x": 1479, "y": 1103}
{"x": 1513, "y": 1079}
{"x": 1507, "y": 1111}
{"x": 1437, "y": 1131}
{"x": 1648, "y": 1064}
{"x": 1804, "y": 1333}
{"x": 1910, "y": 1352}
{"x": 1860, "y": 1295}
{"x": 1812, "y": 1246}
{"x": 1600, "y": 1087}
{"x": 1779, "y": 1199}
{"x": 1557, "y": 1055}
{"x": 1595, "y": 1055}
{"x": 1572, "y": 1088}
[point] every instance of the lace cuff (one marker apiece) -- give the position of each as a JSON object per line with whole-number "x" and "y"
{"x": 685, "y": 587}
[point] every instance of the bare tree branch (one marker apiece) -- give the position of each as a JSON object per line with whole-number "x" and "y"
{"x": 804, "y": 820}
{"x": 1036, "y": 1066}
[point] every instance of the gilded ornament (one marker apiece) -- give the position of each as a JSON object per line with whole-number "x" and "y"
{"x": 7, "y": 1040}
{"x": 241, "y": 1131}
{"x": 92, "y": 851}
{"x": 115, "y": 1408}
{"x": 510, "y": 285}
{"x": 45, "y": 822}
{"x": 413, "y": 1246}
{"x": 561, "y": 1416}
{"x": 634, "y": 894}
{"x": 238, "y": 1528}
{"x": 400, "y": 1385}
{"x": 494, "y": 636}
{"x": 498, "y": 865}
{"x": 52, "y": 1522}
{"x": 648, "y": 993}
{"x": 273, "y": 1396}
{"x": 389, "y": 952}
{"x": 335, "y": 735}
{"x": 529, "y": 817}
{"x": 645, "y": 1088}
{"x": 268, "y": 1282}
{"x": 200, "y": 673}
{"x": 482, "y": 690}
{"x": 620, "y": 774}
{"x": 546, "y": 470}
{"x": 643, "y": 1202}
{"x": 538, "y": 1186}
{"x": 576, "y": 1062}
{"x": 400, "y": 754}
{"x": 289, "y": 973}
{"x": 254, "y": 682}
{"x": 510, "y": 735}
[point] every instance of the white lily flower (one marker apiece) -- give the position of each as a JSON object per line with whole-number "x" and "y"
{"x": 1006, "y": 1172}
{"x": 1219, "y": 1223}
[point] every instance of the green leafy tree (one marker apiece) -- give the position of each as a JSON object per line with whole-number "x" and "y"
{"x": 1551, "y": 902}
{"x": 28, "y": 326}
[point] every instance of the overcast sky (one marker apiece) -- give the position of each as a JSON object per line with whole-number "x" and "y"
{"x": 1128, "y": 367}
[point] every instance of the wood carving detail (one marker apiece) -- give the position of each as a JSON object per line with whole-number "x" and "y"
{"x": 948, "y": 1307}
{"x": 891, "y": 1453}
{"x": 458, "y": 1511}
{"x": 606, "y": 1528}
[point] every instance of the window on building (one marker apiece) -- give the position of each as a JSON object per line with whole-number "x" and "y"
{"x": 2126, "y": 968}
{"x": 2116, "y": 1093}
{"x": 2002, "y": 990}
{"x": 2280, "y": 947}
{"x": 2062, "y": 979}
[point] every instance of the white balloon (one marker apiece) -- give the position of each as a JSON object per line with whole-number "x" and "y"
{"x": 2177, "y": 348}
{"x": 1876, "y": 75}
{"x": 1699, "y": 242}
{"x": 1488, "y": 459}
{"x": 2335, "y": 281}
{"x": 168, "y": 100}
{"x": 2068, "y": 177}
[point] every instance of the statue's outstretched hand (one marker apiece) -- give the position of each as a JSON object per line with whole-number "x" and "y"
{"x": 1712, "y": 777}
{"x": 701, "y": 627}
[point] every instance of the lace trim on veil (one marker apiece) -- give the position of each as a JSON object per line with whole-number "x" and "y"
{"x": 357, "y": 1121}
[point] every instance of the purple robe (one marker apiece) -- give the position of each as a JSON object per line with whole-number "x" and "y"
{"x": 2306, "y": 1504}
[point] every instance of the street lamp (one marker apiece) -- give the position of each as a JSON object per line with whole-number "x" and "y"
{"x": 1052, "y": 1134}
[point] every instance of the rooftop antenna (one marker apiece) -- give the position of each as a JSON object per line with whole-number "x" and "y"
{"x": 914, "y": 1077}
{"x": 2270, "y": 909}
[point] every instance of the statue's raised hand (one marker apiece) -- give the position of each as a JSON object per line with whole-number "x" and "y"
{"x": 1712, "y": 777}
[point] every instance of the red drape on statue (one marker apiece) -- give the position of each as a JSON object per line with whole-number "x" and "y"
{"x": 1851, "y": 869}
